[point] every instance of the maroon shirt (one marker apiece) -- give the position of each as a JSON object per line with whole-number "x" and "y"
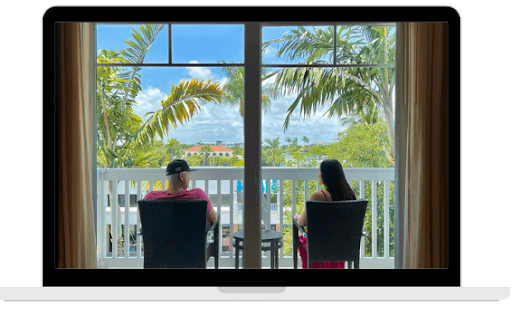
{"x": 194, "y": 194}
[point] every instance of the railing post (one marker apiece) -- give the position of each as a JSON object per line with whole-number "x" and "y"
{"x": 126, "y": 219}
{"x": 137, "y": 227}
{"x": 231, "y": 215}
{"x": 219, "y": 210}
{"x": 374, "y": 219}
{"x": 268, "y": 206}
{"x": 294, "y": 199}
{"x": 101, "y": 251}
{"x": 386, "y": 219}
{"x": 113, "y": 216}
{"x": 281, "y": 213}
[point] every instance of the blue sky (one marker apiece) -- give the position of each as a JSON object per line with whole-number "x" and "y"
{"x": 192, "y": 44}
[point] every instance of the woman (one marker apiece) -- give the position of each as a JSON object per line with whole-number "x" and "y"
{"x": 331, "y": 175}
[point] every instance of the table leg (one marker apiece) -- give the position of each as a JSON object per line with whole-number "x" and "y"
{"x": 236, "y": 255}
{"x": 277, "y": 257}
{"x": 272, "y": 256}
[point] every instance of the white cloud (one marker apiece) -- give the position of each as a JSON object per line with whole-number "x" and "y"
{"x": 317, "y": 128}
{"x": 200, "y": 73}
{"x": 149, "y": 100}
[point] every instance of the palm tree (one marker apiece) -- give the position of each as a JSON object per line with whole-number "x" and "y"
{"x": 293, "y": 142}
{"x": 234, "y": 89}
{"x": 274, "y": 146}
{"x": 173, "y": 147}
{"x": 343, "y": 91}
{"x": 305, "y": 140}
{"x": 206, "y": 151}
{"x": 368, "y": 116}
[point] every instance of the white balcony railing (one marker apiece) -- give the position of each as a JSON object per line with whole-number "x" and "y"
{"x": 222, "y": 184}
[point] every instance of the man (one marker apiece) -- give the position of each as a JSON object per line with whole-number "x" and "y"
{"x": 178, "y": 172}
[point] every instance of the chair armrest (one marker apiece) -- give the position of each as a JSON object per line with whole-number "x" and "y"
{"x": 300, "y": 228}
{"x": 212, "y": 230}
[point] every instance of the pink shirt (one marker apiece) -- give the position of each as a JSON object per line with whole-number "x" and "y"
{"x": 194, "y": 194}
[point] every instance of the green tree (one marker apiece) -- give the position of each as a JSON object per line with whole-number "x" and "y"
{"x": 292, "y": 142}
{"x": 305, "y": 140}
{"x": 274, "y": 147}
{"x": 195, "y": 160}
{"x": 205, "y": 151}
{"x": 237, "y": 152}
{"x": 361, "y": 146}
{"x": 174, "y": 148}
{"x": 117, "y": 88}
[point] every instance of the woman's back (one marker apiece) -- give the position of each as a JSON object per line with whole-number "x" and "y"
{"x": 327, "y": 195}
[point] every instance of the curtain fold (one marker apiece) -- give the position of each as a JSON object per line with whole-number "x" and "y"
{"x": 76, "y": 247}
{"x": 426, "y": 210}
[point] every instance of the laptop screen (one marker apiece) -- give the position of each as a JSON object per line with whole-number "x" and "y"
{"x": 324, "y": 94}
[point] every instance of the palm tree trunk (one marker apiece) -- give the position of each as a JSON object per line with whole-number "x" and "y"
{"x": 390, "y": 123}
{"x": 107, "y": 131}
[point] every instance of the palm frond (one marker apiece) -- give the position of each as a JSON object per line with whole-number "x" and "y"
{"x": 141, "y": 42}
{"x": 181, "y": 105}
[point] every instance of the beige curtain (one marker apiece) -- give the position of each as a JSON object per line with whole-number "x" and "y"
{"x": 76, "y": 238}
{"x": 426, "y": 225}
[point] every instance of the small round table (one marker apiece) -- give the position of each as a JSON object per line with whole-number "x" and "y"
{"x": 270, "y": 240}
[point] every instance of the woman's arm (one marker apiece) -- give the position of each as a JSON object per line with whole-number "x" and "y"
{"x": 317, "y": 196}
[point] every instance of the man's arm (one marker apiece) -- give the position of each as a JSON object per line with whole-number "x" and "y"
{"x": 211, "y": 217}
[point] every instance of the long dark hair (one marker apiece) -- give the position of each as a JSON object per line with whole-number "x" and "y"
{"x": 335, "y": 181}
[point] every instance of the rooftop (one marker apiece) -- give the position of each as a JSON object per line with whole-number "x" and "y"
{"x": 214, "y": 148}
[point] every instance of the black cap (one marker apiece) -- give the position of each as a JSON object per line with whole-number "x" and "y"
{"x": 177, "y": 166}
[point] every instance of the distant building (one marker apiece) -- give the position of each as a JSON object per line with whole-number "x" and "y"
{"x": 233, "y": 144}
{"x": 318, "y": 144}
{"x": 215, "y": 143}
{"x": 217, "y": 151}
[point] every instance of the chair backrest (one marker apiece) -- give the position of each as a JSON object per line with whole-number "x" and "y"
{"x": 174, "y": 233}
{"x": 334, "y": 229}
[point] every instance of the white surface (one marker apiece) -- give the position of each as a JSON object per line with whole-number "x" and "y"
{"x": 258, "y": 294}
{"x": 485, "y": 169}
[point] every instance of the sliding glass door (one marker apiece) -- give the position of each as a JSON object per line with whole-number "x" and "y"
{"x": 255, "y": 107}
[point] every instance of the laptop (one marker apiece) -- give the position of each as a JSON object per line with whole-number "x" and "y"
{"x": 249, "y": 284}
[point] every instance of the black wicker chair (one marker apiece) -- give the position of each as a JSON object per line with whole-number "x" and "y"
{"x": 334, "y": 231}
{"x": 176, "y": 234}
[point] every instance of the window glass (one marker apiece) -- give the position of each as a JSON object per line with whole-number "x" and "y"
{"x": 118, "y": 44}
{"x": 366, "y": 44}
{"x": 207, "y": 43}
{"x": 148, "y": 115}
{"x": 319, "y": 113}
{"x": 291, "y": 45}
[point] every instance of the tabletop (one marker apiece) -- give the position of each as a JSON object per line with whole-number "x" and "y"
{"x": 266, "y": 235}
